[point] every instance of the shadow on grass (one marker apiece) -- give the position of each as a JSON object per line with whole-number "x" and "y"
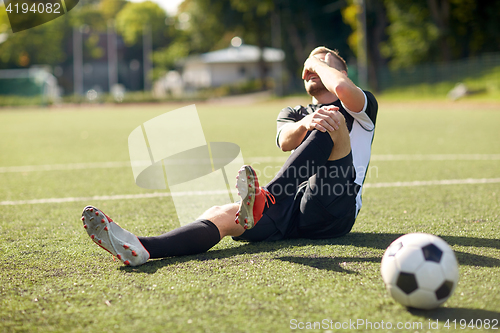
{"x": 379, "y": 241}
{"x": 382, "y": 240}
{"x": 451, "y": 314}
{"x": 335, "y": 264}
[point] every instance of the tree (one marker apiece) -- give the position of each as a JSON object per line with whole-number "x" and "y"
{"x": 110, "y": 8}
{"x": 42, "y": 44}
{"x": 303, "y": 25}
{"x": 440, "y": 30}
{"x": 134, "y": 16}
{"x": 411, "y": 33}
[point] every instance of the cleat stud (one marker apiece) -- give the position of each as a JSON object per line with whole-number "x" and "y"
{"x": 119, "y": 256}
{"x": 246, "y": 221}
{"x": 248, "y": 177}
{"x": 250, "y": 185}
{"x": 83, "y": 218}
{"x": 126, "y": 262}
{"x": 106, "y": 228}
{"x": 96, "y": 213}
{"x": 85, "y": 226}
{"x": 245, "y": 227}
{"x": 125, "y": 246}
{"x": 248, "y": 203}
{"x": 102, "y": 221}
{"x": 92, "y": 236}
{"x": 91, "y": 209}
{"x": 134, "y": 253}
{"x": 99, "y": 241}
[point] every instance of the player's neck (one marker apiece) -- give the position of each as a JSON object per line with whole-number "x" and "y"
{"x": 328, "y": 98}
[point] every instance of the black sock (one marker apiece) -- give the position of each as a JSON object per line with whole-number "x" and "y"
{"x": 193, "y": 238}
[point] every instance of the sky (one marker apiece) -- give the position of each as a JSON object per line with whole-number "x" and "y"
{"x": 169, "y": 5}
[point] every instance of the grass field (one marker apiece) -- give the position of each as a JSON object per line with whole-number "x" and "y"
{"x": 54, "y": 279}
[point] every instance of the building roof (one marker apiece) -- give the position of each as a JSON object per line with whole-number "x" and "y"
{"x": 244, "y": 53}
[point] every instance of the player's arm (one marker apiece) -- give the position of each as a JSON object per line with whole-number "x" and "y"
{"x": 323, "y": 120}
{"x": 336, "y": 82}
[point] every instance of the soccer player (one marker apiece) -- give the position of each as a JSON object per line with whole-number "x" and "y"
{"x": 316, "y": 194}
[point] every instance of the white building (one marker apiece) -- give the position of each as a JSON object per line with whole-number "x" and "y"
{"x": 230, "y": 65}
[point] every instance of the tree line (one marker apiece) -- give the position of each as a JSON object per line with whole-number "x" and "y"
{"x": 399, "y": 33}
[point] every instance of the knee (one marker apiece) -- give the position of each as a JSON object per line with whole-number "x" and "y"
{"x": 340, "y": 117}
{"x": 217, "y": 211}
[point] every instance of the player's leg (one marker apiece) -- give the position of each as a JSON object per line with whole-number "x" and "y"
{"x": 341, "y": 140}
{"x": 196, "y": 237}
{"x": 223, "y": 218}
{"x": 328, "y": 206}
{"x": 313, "y": 153}
{"x": 193, "y": 238}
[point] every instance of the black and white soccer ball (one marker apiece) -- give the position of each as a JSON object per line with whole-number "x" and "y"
{"x": 420, "y": 270}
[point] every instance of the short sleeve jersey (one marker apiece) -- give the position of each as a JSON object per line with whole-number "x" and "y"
{"x": 361, "y": 126}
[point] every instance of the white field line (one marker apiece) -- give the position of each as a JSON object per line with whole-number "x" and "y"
{"x": 200, "y": 193}
{"x": 109, "y": 197}
{"x": 254, "y": 160}
{"x": 71, "y": 166}
{"x": 434, "y": 182}
{"x": 437, "y": 157}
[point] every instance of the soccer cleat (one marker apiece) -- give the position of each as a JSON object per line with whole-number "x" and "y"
{"x": 253, "y": 197}
{"x": 114, "y": 239}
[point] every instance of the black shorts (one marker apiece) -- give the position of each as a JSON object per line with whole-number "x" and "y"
{"x": 322, "y": 207}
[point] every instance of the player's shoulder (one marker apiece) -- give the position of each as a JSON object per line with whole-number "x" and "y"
{"x": 372, "y": 101}
{"x": 371, "y": 106}
{"x": 298, "y": 110}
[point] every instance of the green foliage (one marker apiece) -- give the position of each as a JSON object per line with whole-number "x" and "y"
{"x": 90, "y": 17}
{"x": 40, "y": 45}
{"x": 439, "y": 30}
{"x": 134, "y": 16}
{"x": 166, "y": 58}
{"x": 411, "y": 33}
{"x": 110, "y": 8}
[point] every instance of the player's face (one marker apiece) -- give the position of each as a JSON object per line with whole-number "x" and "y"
{"x": 312, "y": 82}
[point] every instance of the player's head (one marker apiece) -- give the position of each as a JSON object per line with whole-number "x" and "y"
{"x": 338, "y": 62}
{"x": 313, "y": 85}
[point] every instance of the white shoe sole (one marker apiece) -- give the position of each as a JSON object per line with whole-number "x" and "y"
{"x": 245, "y": 182}
{"x": 114, "y": 239}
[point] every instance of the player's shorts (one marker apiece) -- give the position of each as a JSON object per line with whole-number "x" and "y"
{"x": 322, "y": 207}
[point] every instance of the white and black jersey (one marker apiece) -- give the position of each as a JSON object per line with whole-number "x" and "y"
{"x": 361, "y": 126}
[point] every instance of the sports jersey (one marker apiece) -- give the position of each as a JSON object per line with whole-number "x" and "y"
{"x": 361, "y": 126}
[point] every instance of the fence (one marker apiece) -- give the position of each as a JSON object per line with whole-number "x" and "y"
{"x": 478, "y": 73}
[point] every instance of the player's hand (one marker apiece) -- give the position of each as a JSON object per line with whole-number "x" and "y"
{"x": 312, "y": 62}
{"x": 326, "y": 119}
{"x": 309, "y": 68}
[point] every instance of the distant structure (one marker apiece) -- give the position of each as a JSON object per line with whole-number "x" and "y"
{"x": 34, "y": 81}
{"x": 231, "y": 65}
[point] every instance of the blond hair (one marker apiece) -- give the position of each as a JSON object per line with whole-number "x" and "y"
{"x": 335, "y": 53}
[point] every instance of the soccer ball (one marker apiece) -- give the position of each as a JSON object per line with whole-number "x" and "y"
{"x": 420, "y": 270}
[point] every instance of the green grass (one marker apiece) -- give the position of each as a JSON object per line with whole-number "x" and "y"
{"x": 53, "y": 278}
